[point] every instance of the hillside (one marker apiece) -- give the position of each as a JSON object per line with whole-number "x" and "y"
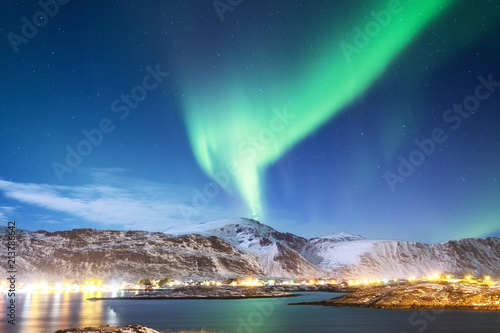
{"x": 83, "y": 254}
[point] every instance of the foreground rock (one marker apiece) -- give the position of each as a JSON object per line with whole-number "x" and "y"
{"x": 110, "y": 329}
{"x": 422, "y": 295}
{"x": 206, "y": 292}
{"x": 117, "y": 329}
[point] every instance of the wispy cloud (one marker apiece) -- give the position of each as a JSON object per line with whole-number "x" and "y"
{"x": 6, "y": 213}
{"x": 113, "y": 201}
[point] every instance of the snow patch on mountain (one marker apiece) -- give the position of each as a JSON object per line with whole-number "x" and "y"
{"x": 341, "y": 236}
{"x": 330, "y": 254}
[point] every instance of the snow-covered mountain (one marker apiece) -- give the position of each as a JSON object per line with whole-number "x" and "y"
{"x": 240, "y": 248}
{"x": 348, "y": 256}
{"x": 277, "y": 252}
{"x": 399, "y": 259}
{"x": 242, "y": 232}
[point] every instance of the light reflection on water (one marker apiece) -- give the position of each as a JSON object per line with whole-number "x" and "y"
{"x": 46, "y": 312}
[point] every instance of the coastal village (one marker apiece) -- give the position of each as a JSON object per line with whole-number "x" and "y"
{"x": 145, "y": 284}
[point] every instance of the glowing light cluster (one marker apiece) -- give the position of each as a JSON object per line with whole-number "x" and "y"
{"x": 252, "y": 283}
{"x": 433, "y": 277}
{"x": 468, "y": 278}
{"x": 365, "y": 282}
{"x": 89, "y": 286}
{"x": 98, "y": 287}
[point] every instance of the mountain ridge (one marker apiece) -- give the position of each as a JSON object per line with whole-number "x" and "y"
{"x": 241, "y": 247}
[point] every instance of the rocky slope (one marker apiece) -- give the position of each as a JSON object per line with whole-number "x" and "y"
{"x": 82, "y": 254}
{"x": 422, "y": 295}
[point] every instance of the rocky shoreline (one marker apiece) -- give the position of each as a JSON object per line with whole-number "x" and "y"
{"x": 205, "y": 292}
{"x": 422, "y": 295}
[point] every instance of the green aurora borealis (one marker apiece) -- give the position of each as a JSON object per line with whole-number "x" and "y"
{"x": 223, "y": 119}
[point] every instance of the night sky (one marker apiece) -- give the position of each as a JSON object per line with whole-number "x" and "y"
{"x": 380, "y": 118}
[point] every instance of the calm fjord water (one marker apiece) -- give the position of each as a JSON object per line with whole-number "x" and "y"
{"x": 48, "y": 312}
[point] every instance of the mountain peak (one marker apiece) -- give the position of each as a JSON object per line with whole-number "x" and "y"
{"x": 209, "y": 228}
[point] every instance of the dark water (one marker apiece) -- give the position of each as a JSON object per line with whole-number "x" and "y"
{"x": 48, "y": 312}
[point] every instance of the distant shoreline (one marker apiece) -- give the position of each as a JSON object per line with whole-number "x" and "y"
{"x": 184, "y": 297}
{"x": 197, "y": 292}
